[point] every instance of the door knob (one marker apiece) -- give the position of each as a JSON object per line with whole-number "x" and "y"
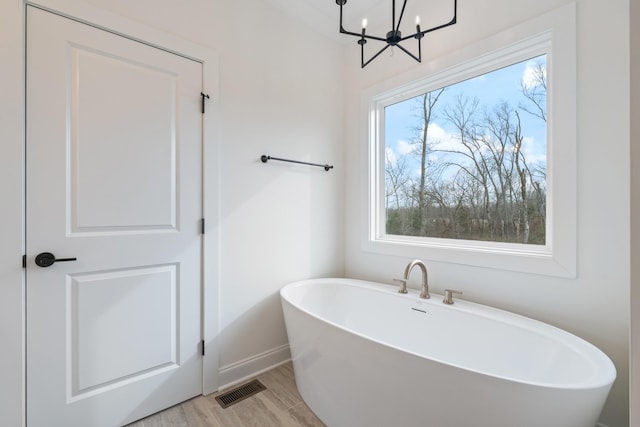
{"x": 47, "y": 259}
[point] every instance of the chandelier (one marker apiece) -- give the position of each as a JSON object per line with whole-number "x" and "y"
{"x": 393, "y": 37}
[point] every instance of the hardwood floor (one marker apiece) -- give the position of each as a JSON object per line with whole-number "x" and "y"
{"x": 279, "y": 405}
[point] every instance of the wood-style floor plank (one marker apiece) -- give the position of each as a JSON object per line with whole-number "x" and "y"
{"x": 278, "y": 406}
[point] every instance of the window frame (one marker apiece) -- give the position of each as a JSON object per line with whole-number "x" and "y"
{"x": 553, "y": 35}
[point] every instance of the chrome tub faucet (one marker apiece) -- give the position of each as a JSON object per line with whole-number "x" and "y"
{"x": 425, "y": 280}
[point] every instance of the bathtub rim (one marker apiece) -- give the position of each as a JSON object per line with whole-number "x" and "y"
{"x": 605, "y": 372}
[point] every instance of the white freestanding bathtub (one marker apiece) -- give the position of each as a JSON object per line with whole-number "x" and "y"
{"x": 365, "y": 355}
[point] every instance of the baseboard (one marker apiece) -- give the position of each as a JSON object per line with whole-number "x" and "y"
{"x": 235, "y": 373}
{"x": 601, "y": 425}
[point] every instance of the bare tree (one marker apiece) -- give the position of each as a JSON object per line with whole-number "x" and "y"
{"x": 535, "y": 90}
{"x": 523, "y": 174}
{"x": 427, "y": 103}
{"x": 397, "y": 181}
{"x": 479, "y": 185}
{"x": 469, "y": 157}
{"x": 496, "y": 143}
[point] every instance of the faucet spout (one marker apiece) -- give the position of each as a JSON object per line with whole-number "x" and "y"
{"x": 424, "y": 293}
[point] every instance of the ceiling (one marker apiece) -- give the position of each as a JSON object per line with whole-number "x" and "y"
{"x": 324, "y": 15}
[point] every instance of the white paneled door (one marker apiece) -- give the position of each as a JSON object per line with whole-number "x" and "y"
{"x": 114, "y": 194}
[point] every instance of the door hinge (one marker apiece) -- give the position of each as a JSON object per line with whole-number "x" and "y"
{"x": 202, "y": 226}
{"x": 202, "y": 346}
{"x": 24, "y": 261}
{"x": 203, "y": 95}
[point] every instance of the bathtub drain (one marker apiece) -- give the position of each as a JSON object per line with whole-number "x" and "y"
{"x": 240, "y": 393}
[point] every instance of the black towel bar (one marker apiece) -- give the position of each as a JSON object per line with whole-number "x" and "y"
{"x": 265, "y": 158}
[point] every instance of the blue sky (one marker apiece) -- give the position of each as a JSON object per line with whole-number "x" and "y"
{"x": 491, "y": 89}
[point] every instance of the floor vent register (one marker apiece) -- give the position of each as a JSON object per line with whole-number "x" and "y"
{"x": 240, "y": 393}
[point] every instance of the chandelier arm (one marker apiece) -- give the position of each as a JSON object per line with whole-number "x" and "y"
{"x": 437, "y": 27}
{"x": 393, "y": 14}
{"x": 422, "y": 33}
{"x": 364, "y": 64}
{"x": 408, "y": 53}
{"x": 360, "y": 36}
{"x": 397, "y": 25}
{"x": 366, "y": 36}
{"x": 341, "y": 27}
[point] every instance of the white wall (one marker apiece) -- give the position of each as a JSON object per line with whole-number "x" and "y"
{"x": 11, "y": 286}
{"x": 281, "y": 94}
{"x": 635, "y": 214}
{"x": 284, "y": 97}
{"x": 594, "y": 306}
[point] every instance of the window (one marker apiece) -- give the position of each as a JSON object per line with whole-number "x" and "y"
{"x": 475, "y": 163}
{"x": 468, "y": 161}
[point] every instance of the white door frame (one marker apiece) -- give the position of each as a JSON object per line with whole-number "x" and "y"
{"x": 12, "y": 303}
{"x": 12, "y": 228}
{"x": 117, "y": 24}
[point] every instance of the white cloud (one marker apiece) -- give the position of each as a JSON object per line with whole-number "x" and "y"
{"x": 530, "y": 74}
{"x": 390, "y": 156}
{"x": 442, "y": 139}
{"x": 533, "y": 153}
{"x": 404, "y": 147}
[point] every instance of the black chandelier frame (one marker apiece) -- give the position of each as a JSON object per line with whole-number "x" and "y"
{"x": 394, "y": 37}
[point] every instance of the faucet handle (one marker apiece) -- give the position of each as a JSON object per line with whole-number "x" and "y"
{"x": 448, "y": 296}
{"x": 403, "y": 285}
